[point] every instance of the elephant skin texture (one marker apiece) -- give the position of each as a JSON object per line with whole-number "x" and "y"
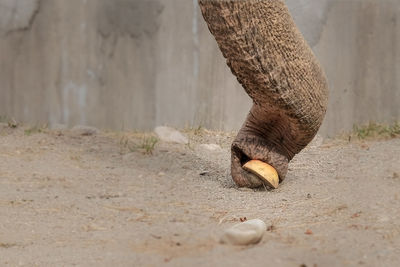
{"x": 274, "y": 64}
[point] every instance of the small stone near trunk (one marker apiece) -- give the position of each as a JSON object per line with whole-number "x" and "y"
{"x": 168, "y": 134}
{"x": 84, "y": 130}
{"x": 210, "y": 147}
{"x": 12, "y": 123}
{"x": 245, "y": 233}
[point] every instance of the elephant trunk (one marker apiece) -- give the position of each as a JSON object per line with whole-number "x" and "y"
{"x": 276, "y": 67}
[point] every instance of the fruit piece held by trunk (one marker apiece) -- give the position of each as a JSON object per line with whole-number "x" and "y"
{"x": 264, "y": 171}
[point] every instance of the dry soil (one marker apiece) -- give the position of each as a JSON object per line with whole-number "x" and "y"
{"x": 101, "y": 200}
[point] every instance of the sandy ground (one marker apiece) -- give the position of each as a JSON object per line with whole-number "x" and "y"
{"x": 71, "y": 200}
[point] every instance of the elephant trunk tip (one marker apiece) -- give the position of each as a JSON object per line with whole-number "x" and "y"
{"x": 250, "y": 150}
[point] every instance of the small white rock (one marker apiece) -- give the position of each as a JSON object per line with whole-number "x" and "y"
{"x": 245, "y": 233}
{"x": 84, "y": 130}
{"x": 168, "y": 134}
{"x": 210, "y": 147}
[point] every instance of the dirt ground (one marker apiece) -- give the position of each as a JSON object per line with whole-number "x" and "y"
{"x": 101, "y": 200}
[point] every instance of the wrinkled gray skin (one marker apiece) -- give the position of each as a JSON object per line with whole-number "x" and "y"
{"x": 276, "y": 67}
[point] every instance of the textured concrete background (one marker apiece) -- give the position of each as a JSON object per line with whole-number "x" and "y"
{"x": 135, "y": 64}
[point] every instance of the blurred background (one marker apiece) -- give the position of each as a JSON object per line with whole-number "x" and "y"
{"x": 137, "y": 64}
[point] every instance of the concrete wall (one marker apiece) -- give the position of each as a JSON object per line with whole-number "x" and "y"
{"x": 358, "y": 44}
{"x": 135, "y": 64}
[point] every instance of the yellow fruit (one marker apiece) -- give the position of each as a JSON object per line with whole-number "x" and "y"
{"x": 264, "y": 171}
